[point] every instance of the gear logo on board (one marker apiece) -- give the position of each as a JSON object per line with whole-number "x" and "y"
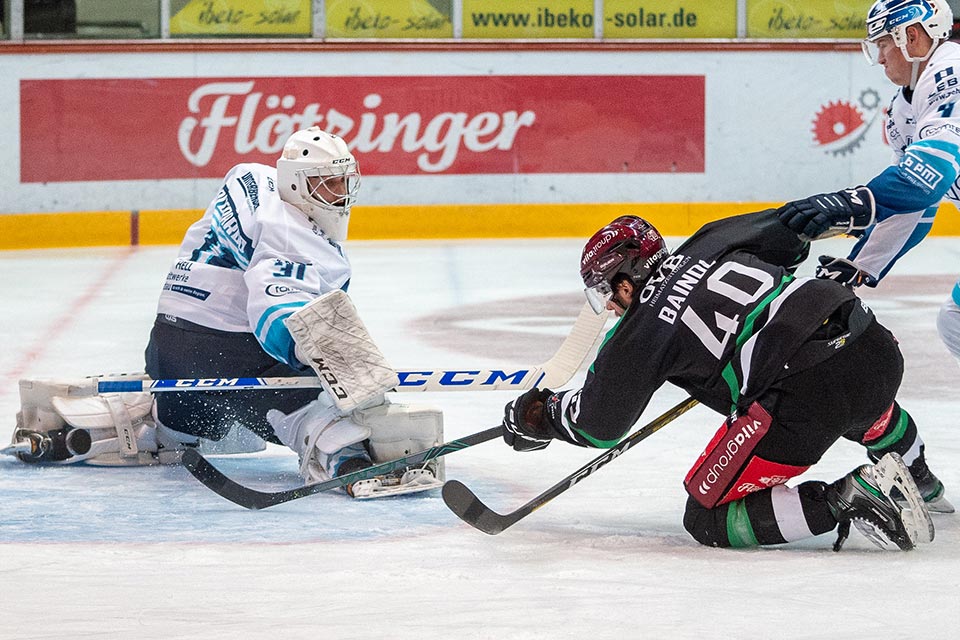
{"x": 840, "y": 126}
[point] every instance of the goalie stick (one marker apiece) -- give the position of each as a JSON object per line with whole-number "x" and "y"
{"x": 214, "y": 479}
{"x": 463, "y": 502}
{"x": 553, "y": 373}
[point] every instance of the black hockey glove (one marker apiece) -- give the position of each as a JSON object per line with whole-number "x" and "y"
{"x": 525, "y": 421}
{"x": 830, "y": 214}
{"x": 841, "y": 270}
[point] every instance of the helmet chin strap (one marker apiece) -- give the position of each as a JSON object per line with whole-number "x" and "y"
{"x": 914, "y": 73}
{"x": 916, "y": 62}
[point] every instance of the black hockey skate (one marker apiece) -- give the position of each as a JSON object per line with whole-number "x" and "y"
{"x": 930, "y": 487}
{"x": 882, "y": 501}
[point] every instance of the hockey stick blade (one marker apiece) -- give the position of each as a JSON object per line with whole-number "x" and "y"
{"x": 465, "y": 504}
{"x": 204, "y": 471}
{"x": 469, "y": 508}
{"x": 553, "y": 373}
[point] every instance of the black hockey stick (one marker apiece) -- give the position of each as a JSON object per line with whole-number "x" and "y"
{"x": 214, "y": 479}
{"x": 463, "y": 502}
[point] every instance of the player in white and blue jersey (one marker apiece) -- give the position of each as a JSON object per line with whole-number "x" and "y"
{"x": 910, "y": 39}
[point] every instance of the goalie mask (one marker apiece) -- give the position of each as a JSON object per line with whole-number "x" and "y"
{"x": 892, "y": 17}
{"x": 629, "y": 245}
{"x": 318, "y": 175}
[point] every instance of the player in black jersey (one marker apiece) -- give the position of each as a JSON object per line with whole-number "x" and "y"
{"x": 795, "y": 364}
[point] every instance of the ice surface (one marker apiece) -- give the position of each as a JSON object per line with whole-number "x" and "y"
{"x": 90, "y": 552}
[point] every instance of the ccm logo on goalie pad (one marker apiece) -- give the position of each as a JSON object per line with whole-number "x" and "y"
{"x": 326, "y": 375}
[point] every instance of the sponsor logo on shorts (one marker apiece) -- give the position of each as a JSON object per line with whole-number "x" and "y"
{"x": 729, "y": 454}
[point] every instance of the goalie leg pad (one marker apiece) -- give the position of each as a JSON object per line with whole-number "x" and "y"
{"x": 397, "y": 430}
{"x": 69, "y": 422}
{"x": 321, "y": 437}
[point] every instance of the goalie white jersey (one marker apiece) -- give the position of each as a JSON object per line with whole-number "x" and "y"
{"x": 250, "y": 262}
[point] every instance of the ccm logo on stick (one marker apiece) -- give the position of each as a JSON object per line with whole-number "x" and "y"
{"x": 206, "y": 382}
{"x": 461, "y": 378}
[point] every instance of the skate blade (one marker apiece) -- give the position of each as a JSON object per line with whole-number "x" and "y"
{"x": 894, "y": 480}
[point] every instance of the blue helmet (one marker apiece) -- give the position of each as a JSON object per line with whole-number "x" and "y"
{"x": 892, "y": 17}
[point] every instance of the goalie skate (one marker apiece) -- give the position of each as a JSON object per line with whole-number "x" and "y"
{"x": 52, "y": 446}
{"x": 410, "y": 480}
{"x": 29, "y": 446}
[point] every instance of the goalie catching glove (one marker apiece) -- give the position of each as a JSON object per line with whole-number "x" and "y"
{"x": 525, "y": 421}
{"x": 830, "y": 214}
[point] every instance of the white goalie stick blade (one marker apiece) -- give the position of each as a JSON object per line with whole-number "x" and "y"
{"x": 894, "y": 480}
{"x": 552, "y": 374}
{"x": 557, "y": 371}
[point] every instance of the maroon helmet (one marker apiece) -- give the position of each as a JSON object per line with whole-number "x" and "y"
{"x": 628, "y": 245}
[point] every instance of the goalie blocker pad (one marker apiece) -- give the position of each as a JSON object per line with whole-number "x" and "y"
{"x": 331, "y": 339}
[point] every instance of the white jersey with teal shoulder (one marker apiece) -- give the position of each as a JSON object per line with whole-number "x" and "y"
{"x": 250, "y": 262}
{"x": 923, "y": 129}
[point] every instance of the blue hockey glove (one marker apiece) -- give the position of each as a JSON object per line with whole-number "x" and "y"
{"x": 525, "y": 421}
{"x": 830, "y": 214}
{"x": 841, "y": 270}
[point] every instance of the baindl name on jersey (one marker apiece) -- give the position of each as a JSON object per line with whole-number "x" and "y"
{"x": 684, "y": 282}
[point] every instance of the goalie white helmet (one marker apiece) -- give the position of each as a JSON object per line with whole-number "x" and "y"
{"x": 892, "y": 17}
{"x": 318, "y": 175}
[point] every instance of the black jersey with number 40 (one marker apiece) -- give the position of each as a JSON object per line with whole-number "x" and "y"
{"x": 720, "y": 319}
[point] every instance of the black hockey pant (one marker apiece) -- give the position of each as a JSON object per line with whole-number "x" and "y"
{"x": 187, "y": 350}
{"x": 849, "y": 395}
